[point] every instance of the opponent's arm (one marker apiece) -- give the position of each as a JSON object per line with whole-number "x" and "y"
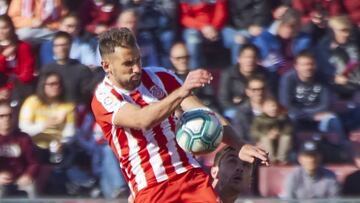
{"x": 247, "y": 152}
{"x": 132, "y": 116}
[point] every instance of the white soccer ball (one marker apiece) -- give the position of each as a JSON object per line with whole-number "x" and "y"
{"x": 199, "y": 131}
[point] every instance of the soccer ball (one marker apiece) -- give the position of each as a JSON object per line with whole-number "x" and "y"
{"x": 199, "y": 131}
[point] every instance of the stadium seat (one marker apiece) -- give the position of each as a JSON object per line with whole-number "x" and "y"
{"x": 271, "y": 179}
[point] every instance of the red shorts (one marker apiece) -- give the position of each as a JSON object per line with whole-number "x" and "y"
{"x": 192, "y": 186}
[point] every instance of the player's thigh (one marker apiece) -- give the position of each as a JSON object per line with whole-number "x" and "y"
{"x": 197, "y": 188}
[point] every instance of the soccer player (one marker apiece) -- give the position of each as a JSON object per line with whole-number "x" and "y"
{"x": 135, "y": 108}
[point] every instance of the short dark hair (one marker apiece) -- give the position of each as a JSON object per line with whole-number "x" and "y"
{"x": 305, "y": 54}
{"x": 70, "y": 15}
{"x": 220, "y": 154}
{"x": 255, "y": 77}
{"x": 40, "y": 91}
{"x": 7, "y": 19}
{"x": 116, "y": 37}
{"x": 251, "y": 47}
{"x": 62, "y": 34}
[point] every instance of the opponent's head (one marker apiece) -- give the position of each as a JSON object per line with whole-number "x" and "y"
{"x": 121, "y": 58}
{"x": 232, "y": 175}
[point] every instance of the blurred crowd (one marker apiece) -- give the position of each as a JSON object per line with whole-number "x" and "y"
{"x": 286, "y": 74}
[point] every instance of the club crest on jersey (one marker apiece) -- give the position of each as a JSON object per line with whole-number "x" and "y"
{"x": 157, "y": 92}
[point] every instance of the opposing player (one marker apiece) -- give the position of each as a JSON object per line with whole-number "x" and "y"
{"x": 135, "y": 108}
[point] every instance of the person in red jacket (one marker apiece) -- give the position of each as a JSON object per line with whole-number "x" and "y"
{"x": 202, "y": 21}
{"x": 16, "y": 59}
{"x": 18, "y": 163}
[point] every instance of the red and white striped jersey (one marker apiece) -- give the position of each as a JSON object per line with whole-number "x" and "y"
{"x": 146, "y": 157}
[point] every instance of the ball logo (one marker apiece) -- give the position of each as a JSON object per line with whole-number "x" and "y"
{"x": 157, "y": 92}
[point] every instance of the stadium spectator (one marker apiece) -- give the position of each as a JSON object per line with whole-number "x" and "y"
{"x": 5, "y": 88}
{"x": 314, "y": 15}
{"x": 4, "y": 5}
{"x": 232, "y": 177}
{"x": 81, "y": 48}
{"x": 18, "y": 162}
{"x": 350, "y": 187}
{"x": 338, "y": 55}
{"x": 106, "y": 167}
{"x": 17, "y": 62}
{"x": 102, "y": 13}
{"x": 202, "y": 22}
{"x": 233, "y": 80}
{"x": 281, "y": 42}
{"x": 256, "y": 92}
{"x": 179, "y": 57}
{"x": 273, "y": 131}
{"x": 246, "y": 21}
{"x": 314, "y": 10}
{"x": 160, "y": 19}
{"x": 307, "y": 99}
{"x": 129, "y": 19}
{"x": 310, "y": 180}
{"x": 77, "y": 77}
{"x": 46, "y": 117}
{"x": 352, "y": 8}
{"x": 35, "y": 19}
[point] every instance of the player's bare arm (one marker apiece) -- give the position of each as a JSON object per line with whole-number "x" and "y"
{"x": 247, "y": 152}
{"x": 152, "y": 115}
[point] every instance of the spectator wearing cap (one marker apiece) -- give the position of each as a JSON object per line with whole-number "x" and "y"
{"x": 310, "y": 180}
{"x": 231, "y": 176}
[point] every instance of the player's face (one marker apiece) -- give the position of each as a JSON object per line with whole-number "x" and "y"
{"x": 124, "y": 67}
{"x": 232, "y": 173}
{"x": 5, "y": 119}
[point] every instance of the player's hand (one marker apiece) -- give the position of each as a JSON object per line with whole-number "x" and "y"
{"x": 5, "y": 178}
{"x": 248, "y": 153}
{"x": 24, "y": 180}
{"x": 195, "y": 79}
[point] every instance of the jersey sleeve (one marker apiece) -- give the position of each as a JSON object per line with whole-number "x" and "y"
{"x": 105, "y": 104}
{"x": 169, "y": 80}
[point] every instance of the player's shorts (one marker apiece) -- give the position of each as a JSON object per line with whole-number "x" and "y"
{"x": 192, "y": 186}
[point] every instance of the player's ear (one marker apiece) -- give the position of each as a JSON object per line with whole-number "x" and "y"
{"x": 105, "y": 65}
{"x": 214, "y": 171}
